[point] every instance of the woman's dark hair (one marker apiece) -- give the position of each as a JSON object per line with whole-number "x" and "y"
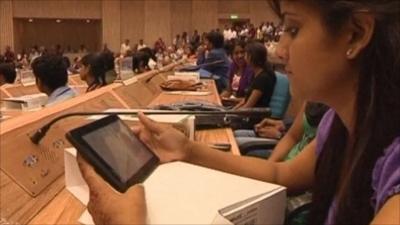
{"x": 140, "y": 61}
{"x": 239, "y": 43}
{"x": 258, "y": 55}
{"x": 108, "y": 59}
{"x": 216, "y": 39}
{"x": 8, "y": 71}
{"x": 377, "y": 114}
{"x": 314, "y": 113}
{"x": 97, "y": 67}
{"x": 149, "y": 52}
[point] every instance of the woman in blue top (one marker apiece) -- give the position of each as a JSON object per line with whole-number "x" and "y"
{"x": 345, "y": 54}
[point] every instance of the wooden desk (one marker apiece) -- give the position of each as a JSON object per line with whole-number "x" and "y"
{"x": 220, "y": 135}
{"x": 55, "y": 205}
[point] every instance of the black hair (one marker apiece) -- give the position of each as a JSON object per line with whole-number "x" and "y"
{"x": 240, "y": 43}
{"x": 51, "y": 71}
{"x": 140, "y": 61}
{"x": 108, "y": 60}
{"x": 258, "y": 55}
{"x": 377, "y": 114}
{"x": 149, "y": 52}
{"x": 228, "y": 46}
{"x": 66, "y": 61}
{"x": 97, "y": 67}
{"x": 216, "y": 39}
{"x": 314, "y": 112}
{"x": 8, "y": 71}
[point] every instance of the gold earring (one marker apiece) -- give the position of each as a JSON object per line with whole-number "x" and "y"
{"x": 349, "y": 52}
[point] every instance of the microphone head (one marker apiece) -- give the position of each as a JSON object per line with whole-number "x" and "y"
{"x": 39, "y": 134}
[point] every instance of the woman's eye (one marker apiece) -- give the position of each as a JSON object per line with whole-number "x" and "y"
{"x": 292, "y": 31}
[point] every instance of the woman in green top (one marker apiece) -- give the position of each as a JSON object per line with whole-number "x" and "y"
{"x": 301, "y": 133}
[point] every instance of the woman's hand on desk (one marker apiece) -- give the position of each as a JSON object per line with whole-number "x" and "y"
{"x": 108, "y": 206}
{"x": 167, "y": 143}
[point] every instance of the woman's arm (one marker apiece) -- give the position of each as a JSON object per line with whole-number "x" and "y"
{"x": 389, "y": 213}
{"x": 297, "y": 175}
{"x": 291, "y": 138}
{"x": 253, "y": 99}
{"x": 171, "y": 145}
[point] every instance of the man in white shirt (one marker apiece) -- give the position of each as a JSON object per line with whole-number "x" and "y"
{"x": 125, "y": 47}
{"x": 226, "y": 33}
{"x": 141, "y": 45}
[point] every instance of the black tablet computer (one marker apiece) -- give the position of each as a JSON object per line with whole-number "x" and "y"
{"x": 114, "y": 151}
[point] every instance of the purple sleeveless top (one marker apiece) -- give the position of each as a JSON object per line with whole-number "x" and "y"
{"x": 385, "y": 175}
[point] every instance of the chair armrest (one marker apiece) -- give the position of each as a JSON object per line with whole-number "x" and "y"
{"x": 260, "y": 143}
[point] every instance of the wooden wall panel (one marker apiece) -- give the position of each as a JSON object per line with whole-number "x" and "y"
{"x": 204, "y": 15}
{"x": 157, "y": 21}
{"x": 87, "y": 9}
{"x": 260, "y": 11}
{"x": 132, "y": 21}
{"x": 181, "y": 17}
{"x": 233, "y": 6}
{"x": 121, "y": 19}
{"x": 48, "y": 33}
{"x": 6, "y": 25}
{"x": 112, "y": 24}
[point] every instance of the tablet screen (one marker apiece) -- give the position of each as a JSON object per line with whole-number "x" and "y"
{"x": 121, "y": 150}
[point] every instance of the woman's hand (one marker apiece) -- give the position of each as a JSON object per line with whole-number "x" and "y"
{"x": 270, "y": 128}
{"x": 167, "y": 143}
{"x": 108, "y": 206}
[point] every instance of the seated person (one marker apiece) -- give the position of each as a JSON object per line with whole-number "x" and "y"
{"x": 262, "y": 86}
{"x": 140, "y": 61}
{"x": 108, "y": 58}
{"x": 214, "y": 42}
{"x": 240, "y": 73}
{"x": 302, "y": 131}
{"x": 7, "y": 73}
{"x": 152, "y": 60}
{"x": 75, "y": 66}
{"x": 93, "y": 71}
{"x": 51, "y": 76}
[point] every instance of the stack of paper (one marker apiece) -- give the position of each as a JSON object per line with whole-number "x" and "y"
{"x": 26, "y": 102}
{"x": 184, "y": 123}
{"x": 187, "y": 76}
{"x": 181, "y": 193}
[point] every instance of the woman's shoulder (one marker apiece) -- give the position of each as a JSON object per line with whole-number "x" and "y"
{"x": 386, "y": 175}
{"x": 323, "y": 129}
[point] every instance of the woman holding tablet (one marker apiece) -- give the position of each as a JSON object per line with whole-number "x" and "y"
{"x": 344, "y": 54}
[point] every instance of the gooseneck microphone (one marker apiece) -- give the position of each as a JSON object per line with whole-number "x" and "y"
{"x": 41, "y": 132}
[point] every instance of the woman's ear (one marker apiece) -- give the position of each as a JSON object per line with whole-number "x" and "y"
{"x": 361, "y": 28}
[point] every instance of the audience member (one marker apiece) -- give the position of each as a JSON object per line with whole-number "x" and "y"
{"x": 51, "y": 76}
{"x": 263, "y": 84}
{"x": 141, "y": 45}
{"x": 9, "y": 56}
{"x": 216, "y": 61}
{"x": 240, "y": 73}
{"x": 93, "y": 71}
{"x": 7, "y": 73}
{"x": 125, "y": 47}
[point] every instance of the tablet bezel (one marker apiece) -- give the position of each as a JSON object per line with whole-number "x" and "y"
{"x": 75, "y": 136}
